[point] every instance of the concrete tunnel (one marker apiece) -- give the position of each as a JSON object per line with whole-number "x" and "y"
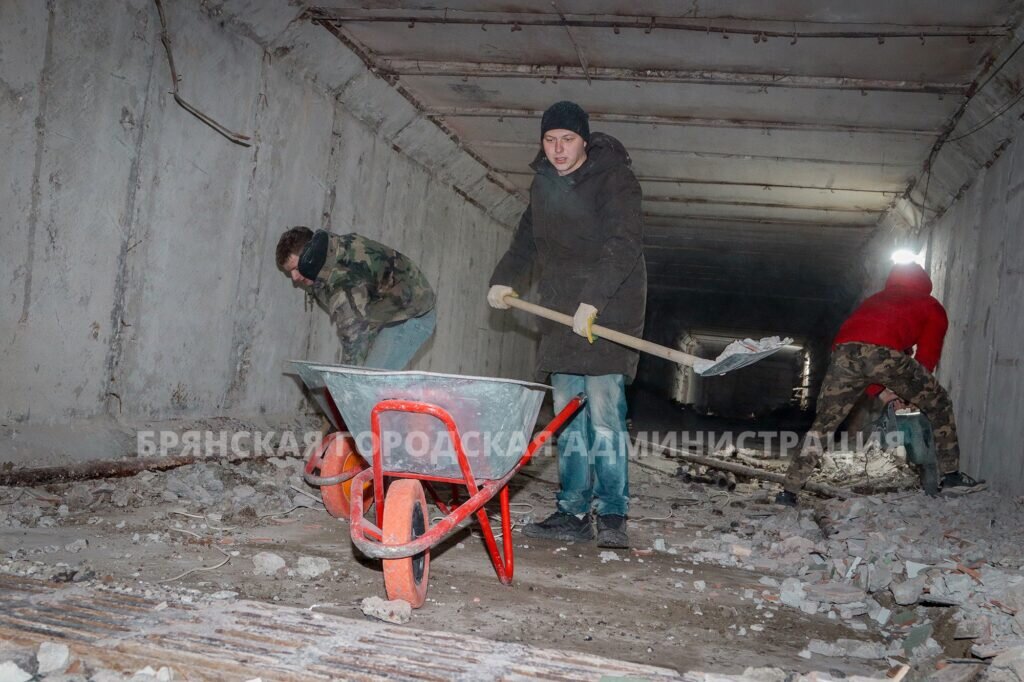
{"x": 785, "y": 151}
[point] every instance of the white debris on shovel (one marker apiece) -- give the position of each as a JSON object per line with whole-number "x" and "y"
{"x": 743, "y": 347}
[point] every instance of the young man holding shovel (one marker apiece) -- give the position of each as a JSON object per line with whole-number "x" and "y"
{"x": 584, "y": 228}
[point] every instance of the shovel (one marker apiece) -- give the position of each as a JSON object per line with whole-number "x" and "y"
{"x": 747, "y": 355}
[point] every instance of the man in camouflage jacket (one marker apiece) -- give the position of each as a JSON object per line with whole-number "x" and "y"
{"x": 380, "y": 301}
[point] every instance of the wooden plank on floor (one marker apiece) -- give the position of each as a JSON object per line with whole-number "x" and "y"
{"x": 244, "y": 640}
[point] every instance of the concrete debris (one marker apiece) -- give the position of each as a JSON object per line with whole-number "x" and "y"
{"x": 77, "y": 546}
{"x": 608, "y": 556}
{"x": 854, "y": 559}
{"x": 778, "y": 675}
{"x": 913, "y": 568}
{"x": 1007, "y": 667}
{"x": 310, "y": 567}
{"x": 995, "y": 648}
{"x": 267, "y": 563}
{"x": 847, "y": 647}
{"x": 10, "y": 672}
{"x": 396, "y": 611}
{"x": 907, "y": 592}
{"x": 147, "y": 674}
{"x": 792, "y": 592}
{"x": 53, "y": 657}
{"x": 835, "y": 593}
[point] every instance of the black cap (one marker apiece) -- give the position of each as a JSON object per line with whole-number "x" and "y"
{"x": 566, "y": 116}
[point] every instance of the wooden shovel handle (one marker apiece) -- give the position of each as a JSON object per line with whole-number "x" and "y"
{"x": 671, "y": 354}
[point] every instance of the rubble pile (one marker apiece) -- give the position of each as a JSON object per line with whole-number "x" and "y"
{"x": 891, "y": 562}
{"x": 871, "y": 466}
{"x": 231, "y": 490}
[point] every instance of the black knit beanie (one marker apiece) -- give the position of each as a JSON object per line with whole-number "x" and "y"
{"x": 566, "y": 116}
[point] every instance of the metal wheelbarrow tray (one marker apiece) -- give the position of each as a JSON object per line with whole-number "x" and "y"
{"x": 417, "y": 429}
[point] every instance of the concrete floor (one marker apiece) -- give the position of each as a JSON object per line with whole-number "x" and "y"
{"x": 642, "y": 606}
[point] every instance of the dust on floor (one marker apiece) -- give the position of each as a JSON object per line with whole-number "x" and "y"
{"x": 715, "y": 581}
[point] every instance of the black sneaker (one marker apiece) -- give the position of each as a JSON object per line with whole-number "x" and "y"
{"x": 561, "y": 526}
{"x": 611, "y": 531}
{"x": 786, "y": 499}
{"x": 959, "y": 479}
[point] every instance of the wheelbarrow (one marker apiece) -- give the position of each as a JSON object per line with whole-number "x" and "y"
{"x": 420, "y": 430}
{"x": 333, "y": 462}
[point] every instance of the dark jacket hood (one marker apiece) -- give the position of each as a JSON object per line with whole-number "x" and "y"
{"x": 909, "y": 276}
{"x": 603, "y": 152}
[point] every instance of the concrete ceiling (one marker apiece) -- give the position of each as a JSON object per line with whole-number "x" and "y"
{"x": 770, "y": 138}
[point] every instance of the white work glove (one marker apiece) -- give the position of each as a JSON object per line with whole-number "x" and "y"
{"x": 496, "y": 296}
{"x": 583, "y": 321}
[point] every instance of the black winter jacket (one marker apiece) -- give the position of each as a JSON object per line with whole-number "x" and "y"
{"x": 585, "y": 231}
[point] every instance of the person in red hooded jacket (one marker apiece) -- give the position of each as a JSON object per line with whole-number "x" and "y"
{"x": 875, "y": 351}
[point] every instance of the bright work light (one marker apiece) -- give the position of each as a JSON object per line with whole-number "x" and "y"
{"x": 904, "y": 256}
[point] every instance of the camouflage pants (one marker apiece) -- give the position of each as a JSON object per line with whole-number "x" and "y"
{"x": 853, "y": 368}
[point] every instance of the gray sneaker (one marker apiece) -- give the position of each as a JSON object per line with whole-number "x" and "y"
{"x": 561, "y": 526}
{"x": 611, "y": 531}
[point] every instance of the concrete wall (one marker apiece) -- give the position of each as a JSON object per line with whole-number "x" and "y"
{"x": 975, "y": 253}
{"x": 976, "y": 256}
{"x": 138, "y": 243}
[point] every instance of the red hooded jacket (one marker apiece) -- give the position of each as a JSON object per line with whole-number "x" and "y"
{"x": 900, "y": 316}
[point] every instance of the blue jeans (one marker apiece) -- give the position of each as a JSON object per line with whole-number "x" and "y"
{"x": 593, "y": 448}
{"x": 395, "y": 345}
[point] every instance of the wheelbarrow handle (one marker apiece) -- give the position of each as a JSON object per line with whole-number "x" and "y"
{"x": 641, "y": 345}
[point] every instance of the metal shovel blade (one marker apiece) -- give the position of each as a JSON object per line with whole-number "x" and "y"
{"x": 733, "y": 362}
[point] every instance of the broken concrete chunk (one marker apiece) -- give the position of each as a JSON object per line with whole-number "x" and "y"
{"x": 53, "y": 657}
{"x": 835, "y": 593}
{"x": 396, "y": 611}
{"x": 847, "y": 647}
{"x": 809, "y": 606}
{"x": 765, "y": 675}
{"x": 121, "y": 497}
{"x": 267, "y": 563}
{"x": 792, "y": 592}
{"x": 914, "y": 568}
{"x": 917, "y": 637}
{"x": 878, "y": 576}
{"x": 10, "y": 672}
{"x": 908, "y": 591}
{"x": 76, "y": 546}
{"x": 310, "y": 567}
{"x": 957, "y": 673}
{"x": 1007, "y": 666}
{"x": 969, "y": 629}
{"x": 995, "y": 648}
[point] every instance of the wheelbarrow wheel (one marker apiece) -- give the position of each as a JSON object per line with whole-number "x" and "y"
{"x": 340, "y": 457}
{"x": 405, "y": 519}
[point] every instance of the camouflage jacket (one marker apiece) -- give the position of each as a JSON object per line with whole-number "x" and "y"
{"x": 365, "y": 286}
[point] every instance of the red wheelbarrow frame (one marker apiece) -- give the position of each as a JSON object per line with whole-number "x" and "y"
{"x": 367, "y": 536}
